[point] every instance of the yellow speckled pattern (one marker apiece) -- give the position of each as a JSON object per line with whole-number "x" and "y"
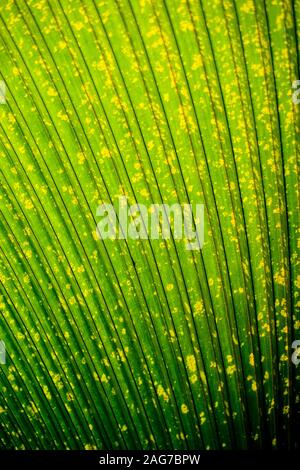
{"x": 141, "y": 344}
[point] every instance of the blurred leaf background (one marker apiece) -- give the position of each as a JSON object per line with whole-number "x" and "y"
{"x": 140, "y": 343}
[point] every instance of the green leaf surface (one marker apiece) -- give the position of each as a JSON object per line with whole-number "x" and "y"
{"x": 142, "y": 344}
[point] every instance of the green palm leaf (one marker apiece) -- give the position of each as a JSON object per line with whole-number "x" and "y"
{"x": 141, "y": 343}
